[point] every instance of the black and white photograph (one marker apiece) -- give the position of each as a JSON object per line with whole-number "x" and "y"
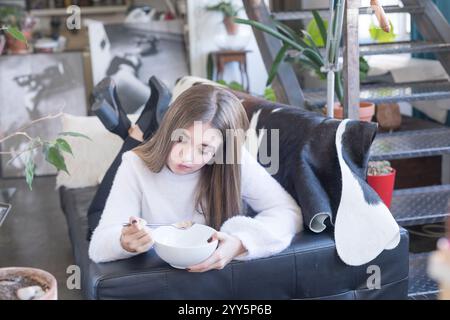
{"x": 32, "y": 87}
{"x": 130, "y": 53}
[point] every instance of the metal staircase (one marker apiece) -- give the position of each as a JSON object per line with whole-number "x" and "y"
{"x": 412, "y": 206}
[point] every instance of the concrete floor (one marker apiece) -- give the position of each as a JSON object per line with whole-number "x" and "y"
{"x": 35, "y": 232}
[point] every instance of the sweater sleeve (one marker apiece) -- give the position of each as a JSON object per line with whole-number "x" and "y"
{"x": 278, "y": 216}
{"x": 124, "y": 200}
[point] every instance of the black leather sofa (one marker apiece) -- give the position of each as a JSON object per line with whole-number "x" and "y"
{"x": 308, "y": 269}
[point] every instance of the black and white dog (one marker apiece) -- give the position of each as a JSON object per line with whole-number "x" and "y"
{"x": 323, "y": 165}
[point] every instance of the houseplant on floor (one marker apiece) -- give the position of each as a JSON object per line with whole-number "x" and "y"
{"x": 31, "y": 283}
{"x": 229, "y": 11}
{"x": 300, "y": 48}
{"x": 16, "y": 26}
{"x": 381, "y": 177}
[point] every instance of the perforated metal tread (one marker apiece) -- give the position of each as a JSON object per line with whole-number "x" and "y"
{"x": 385, "y": 93}
{"x": 410, "y": 144}
{"x": 417, "y": 206}
{"x": 403, "y": 47}
{"x": 307, "y": 14}
{"x": 420, "y": 286}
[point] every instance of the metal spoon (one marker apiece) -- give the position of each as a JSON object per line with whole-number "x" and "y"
{"x": 179, "y": 225}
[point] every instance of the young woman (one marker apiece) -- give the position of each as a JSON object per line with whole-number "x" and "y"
{"x": 195, "y": 167}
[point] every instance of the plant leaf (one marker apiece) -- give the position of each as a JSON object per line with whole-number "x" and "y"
{"x": 379, "y": 35}
{"x": 30, "y": 168}
{"x": 339, "y": 86}
{"x": 288, "y": 31}
{"x": 16, "y": 33}
{"x": 55, "y": 158}
{"x": 64, "y": 145}
{"x": 321, "y": 25}
{"x": 363, "y": 68}
{"x": 234, "y": 85}
{"x": 315, "y": 57}
{"x": 276, "y": 63}
{"x": 269, "y": 94}
{"x": 74, "y": 134}
{"x": 272, "y": 32}
{"x": 310, "y": 40}
{"x": 305, "y": 62}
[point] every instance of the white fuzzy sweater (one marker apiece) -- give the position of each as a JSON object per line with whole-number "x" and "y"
{"x": 166, "y": 197}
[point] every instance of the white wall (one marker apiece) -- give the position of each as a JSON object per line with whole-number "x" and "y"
{"x": 204, "y": 28}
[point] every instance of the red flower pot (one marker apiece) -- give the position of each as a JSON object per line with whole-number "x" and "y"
{"x": 384, "y": 186}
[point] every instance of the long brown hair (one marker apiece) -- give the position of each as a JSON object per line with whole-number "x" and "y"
{"x": 218, "y": 195}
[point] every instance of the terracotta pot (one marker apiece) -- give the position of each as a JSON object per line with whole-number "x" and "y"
{"x": 231, "y": 26}
{"x": 15, "y": 46}
{"x": 384, "y": 186}
{"x": 38, "y": 275}
{"x": 366, "y": 111}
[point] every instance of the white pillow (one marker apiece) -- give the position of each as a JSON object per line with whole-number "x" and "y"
{"x": 91, "y": 159}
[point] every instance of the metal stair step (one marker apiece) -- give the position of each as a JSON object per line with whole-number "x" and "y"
{"x": 403, "y": 47}
{"x": 307, "y": 14}
{"x": 420, "y": 286}
{"x": 387, "y": 93}
{"x": 371, "y": 49}
{"x": 416, "y": 206}
{"x": 410, "y": 144}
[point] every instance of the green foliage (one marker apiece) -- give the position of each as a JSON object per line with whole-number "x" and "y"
{"x": 303, "y": 48}
{"x": 11, "y": 16}
{"x": 74, "y": 134}
{"x": 11, "y": 19}
{"x": 363, "y": 68}
{"x": 226, "y": 7}
{"x": 30, "y": 168}
{"x": 234, "y": 85}
{"x": 316, "y": 28}
{"x": 53, "y": 155}
{"x": 269, "y": 93}
{"x": 16, "y": 33}
{"x": 379, "y": 35}
{"x": 52, "y": 151}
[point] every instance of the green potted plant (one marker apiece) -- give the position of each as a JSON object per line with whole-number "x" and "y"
{"x": 16, "y": 27}
{"x": 381, "y": 177}
{"x": 31, "y": 283}
{"x": 302, "y": 49}
{"x": 53, "y": 150}
{"x": 229, "y": 11}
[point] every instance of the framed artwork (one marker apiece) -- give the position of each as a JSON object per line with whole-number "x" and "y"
{"x": 34, "y": 86}
{"x": 131, "y": 53}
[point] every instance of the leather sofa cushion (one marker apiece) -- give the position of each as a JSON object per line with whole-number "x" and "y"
{"x": 308, "y": 269}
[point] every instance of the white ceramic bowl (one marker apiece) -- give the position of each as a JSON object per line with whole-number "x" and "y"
{"x": 184, "y": 248}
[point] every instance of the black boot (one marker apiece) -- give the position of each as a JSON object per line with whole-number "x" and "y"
{"x": 108, "y": 108}
{"x": 155, "y": 108}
